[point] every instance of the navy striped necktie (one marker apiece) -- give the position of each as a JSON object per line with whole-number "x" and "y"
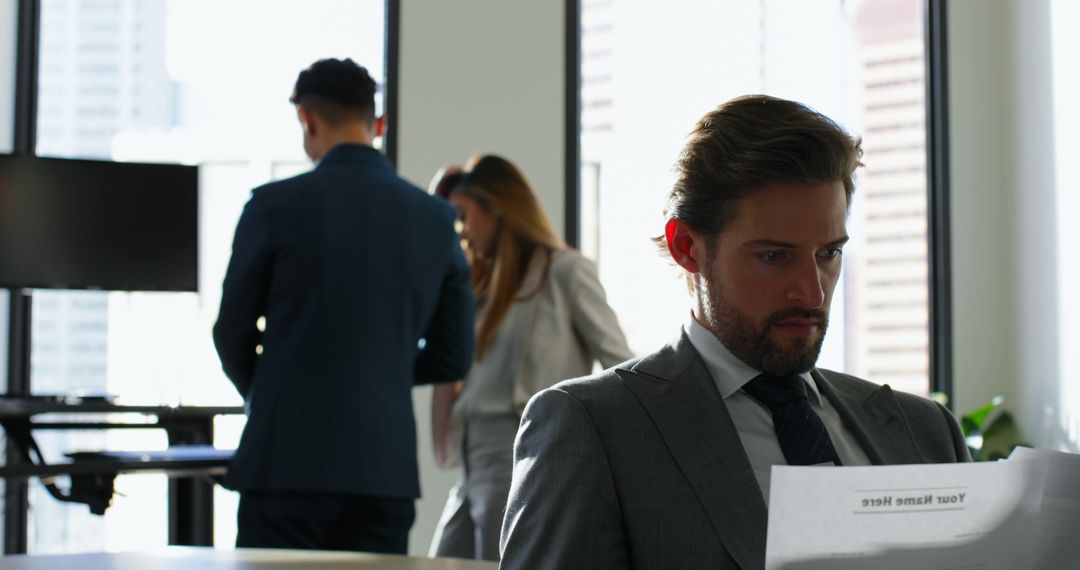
{"x": 801, "y": 433}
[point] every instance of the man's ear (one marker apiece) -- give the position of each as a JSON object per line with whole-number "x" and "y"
{"x": 380, "y": 125}
{"x": 307, "y": 119}
{"x": 681, "y": 241}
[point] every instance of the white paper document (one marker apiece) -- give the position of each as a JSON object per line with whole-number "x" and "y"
{"x": 1020, "y": 513}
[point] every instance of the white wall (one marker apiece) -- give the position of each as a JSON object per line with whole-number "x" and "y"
{"x": 1065, "y": 18}
{"x": 478, "y": 76}
{"x": 484, "y": 76}
{"x": 982, "y": 231}
{"x": 1004, "y": 211}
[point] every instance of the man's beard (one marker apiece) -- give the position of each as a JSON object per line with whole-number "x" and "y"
{"x": 752, "y": 345}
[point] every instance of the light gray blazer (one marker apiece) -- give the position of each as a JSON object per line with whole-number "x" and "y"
{"x": 641, "y": 466}
{"x": 570, "y": 327}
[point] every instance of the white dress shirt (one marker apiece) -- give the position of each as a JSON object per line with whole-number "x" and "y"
{"x": 752, "y": 420}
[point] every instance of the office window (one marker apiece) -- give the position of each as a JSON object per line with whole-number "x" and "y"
{"x": 649, "y": 71}
{"x": 8, "y": 31}
{"x": 193, "y": 81}
{"x": 8, "y": 20}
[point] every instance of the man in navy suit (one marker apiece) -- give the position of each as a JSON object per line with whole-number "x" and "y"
{"x": 347, "y": 286}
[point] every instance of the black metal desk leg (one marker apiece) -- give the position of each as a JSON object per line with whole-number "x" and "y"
{"x": 17, "y": 492}
{"x": 191, "y": 512}
{"x": 191, "y": 499}
{"x": 16, "y": 507}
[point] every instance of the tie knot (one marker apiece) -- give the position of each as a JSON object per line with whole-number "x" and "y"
{"x": 776, "y": 391}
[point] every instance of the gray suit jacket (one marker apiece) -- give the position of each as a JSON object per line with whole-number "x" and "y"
{"x": 641, "y": 466}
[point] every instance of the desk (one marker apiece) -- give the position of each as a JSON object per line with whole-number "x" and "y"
{"x": 191, "y": 501}
{"x": 188, "y": 558}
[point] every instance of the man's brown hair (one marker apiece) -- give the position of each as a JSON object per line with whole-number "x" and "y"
{"x": 750, "y": 142}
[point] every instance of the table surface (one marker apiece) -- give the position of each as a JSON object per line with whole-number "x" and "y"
{"x": 15, "y": 406}
{"x": 191, "y": 558}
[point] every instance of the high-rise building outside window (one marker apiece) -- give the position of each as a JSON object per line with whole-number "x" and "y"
{"x": 201, "y": 82}
{"x": 649, "y": 71}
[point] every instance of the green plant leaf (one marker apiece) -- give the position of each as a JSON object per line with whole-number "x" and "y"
{"x": 978, "y": 416}
{"x": 990, "y": 431}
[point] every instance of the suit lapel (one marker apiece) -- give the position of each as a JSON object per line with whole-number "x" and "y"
{"x": 677, "y": 391}
{"x": 874, "y": 417}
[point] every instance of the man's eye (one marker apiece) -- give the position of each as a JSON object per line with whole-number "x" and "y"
{"x": 771, "y": 256}
{"x": 831, "y": 253}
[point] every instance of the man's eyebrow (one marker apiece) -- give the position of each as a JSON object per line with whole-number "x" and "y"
{"x": 769, "y": 243}
{"x": 788, "y": 245}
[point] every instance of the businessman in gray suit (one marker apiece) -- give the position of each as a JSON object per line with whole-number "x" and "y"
{"x": 663, "y": 462}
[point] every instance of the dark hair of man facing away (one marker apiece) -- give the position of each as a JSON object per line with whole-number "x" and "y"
{"x": 337, "y": 90}
{"x": 736, "y": 148}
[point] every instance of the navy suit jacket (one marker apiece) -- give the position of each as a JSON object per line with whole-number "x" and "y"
{"x": 365, "y": 293}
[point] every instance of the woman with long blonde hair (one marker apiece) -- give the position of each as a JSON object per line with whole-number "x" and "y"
{"x": 542, "y": 317}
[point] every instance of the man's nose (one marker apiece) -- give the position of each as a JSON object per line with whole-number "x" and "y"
{"x": 805, "y": 289}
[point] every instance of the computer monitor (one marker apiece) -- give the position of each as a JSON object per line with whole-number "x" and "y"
{"x": 87, "y": 224}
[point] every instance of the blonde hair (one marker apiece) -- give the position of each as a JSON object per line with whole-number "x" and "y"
{"x": 523, "y": 228}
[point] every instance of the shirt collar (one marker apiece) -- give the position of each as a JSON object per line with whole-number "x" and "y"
{"x": 345, "y": 153}
{"x": 728, "y": 372}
